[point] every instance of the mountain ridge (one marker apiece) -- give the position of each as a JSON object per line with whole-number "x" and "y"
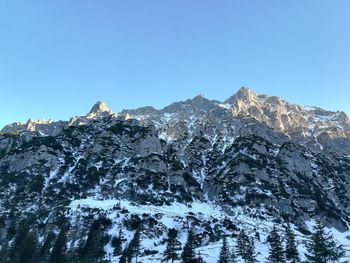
{"x": 215, "y": 167}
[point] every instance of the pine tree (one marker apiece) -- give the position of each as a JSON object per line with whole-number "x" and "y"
{"x": 188, "y": 254}
{"x": 19, "y": 235}
{"x": 45, "y": 248}
{"x": 117, "y": 244}
{"x": 322, "y": 248}
{"x": 127, "y": 255}
{"x": 173, "y": 245}
{"x": 241, "y": 244}
{"x": 233, "y": 256}
{"x": 124, "y": 257}
{"x": 291, "y": 250}
{"x": 59, "y": 248}
{"x": 250, "y": 256}
{"x": 28, "y": 249}
{"x": 257, "y": 235}
{"x": 245, "y": 247}
{"x": 93, "y": 249}
{"x": 276, "y": 253}
{"x": 224, "y": 256}
{"x": 4, "y": 252}
{"x": 135, "y": 245}
{"x": 199, "y": 258}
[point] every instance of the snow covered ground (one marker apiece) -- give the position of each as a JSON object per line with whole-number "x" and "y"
{"x": 203, "y": 211}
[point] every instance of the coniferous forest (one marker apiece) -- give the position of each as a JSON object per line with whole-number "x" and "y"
{"x": 25, "y": 247}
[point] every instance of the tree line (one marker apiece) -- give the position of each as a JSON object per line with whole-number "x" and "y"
{"x": 24, "y": 247}
{"x": 321, "y": 247}
{"x": 21, "y": 245}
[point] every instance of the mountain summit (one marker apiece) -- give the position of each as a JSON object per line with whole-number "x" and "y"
{"x": 244, "y": 94}
{"x": 271, "y": 117}
{"x": 99, "y": 107}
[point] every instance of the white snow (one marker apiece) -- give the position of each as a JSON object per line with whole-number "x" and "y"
{"x": 226, "y": 106}
{"x": 175, "y": 209}
{"x": 171, "y": 215}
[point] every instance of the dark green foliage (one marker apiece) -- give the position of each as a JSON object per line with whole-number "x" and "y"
{"x": 190, "y": 180}
{"x": 242, "y": 241}
{"x": 131, "y": 250}
{"x": 291, "y": 251}
{"x": 199, "y": 258}
{"x": 36, "y": 184}
{"x": 124, "y": 128}
{"x": 58, "y": 254}
{"x": 224, "y": 256}
{"x": 245, "y": 247}
{"x": 117, "y": 244}
{"x": 233, "y": 256}
{"x": 173, "y": 245}
{"x": 11, "y": 231}
{"x": 188, "y": 253}
{"x": 133, "y": 223}
{"x": 36, "y": 142}
{"x": 27, "y": 251}
{"x": 257, "y": 236}
{"x": 126, "y": 256}
{"x": 93, "y": 248}
{"x": 135, "y": 245}
{"x": 276, "y": 253}
{"x": 4, "y": 253}
{"x": 250, "y": 256}
{"x": 21, "y": 233}
{"x": 322, "y": 248}
{"x": 47, "y": 245}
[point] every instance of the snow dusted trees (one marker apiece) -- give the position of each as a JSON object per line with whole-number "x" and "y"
{"x": 58, "y": 254}
{"x": 245, "y": 247}
{"x": 135, "y": 245}
{"x": 4, "y": 252}
{"x": 173, "y": 245}
{"x": 276, "y": 253}
{"x": 242, "y": 240}
{"x": 224, "y": 256}
{"x": 93, "y": 247}
{"x": 250, "y": 253}
{"x": 188, "y": 254}
{"x": 117, "y": 242}
{"x": 199, "y": 258}
{"x": 233, "y": 256}
{"x": 28, "y": 249}
{"x": 322, "y": 248}
{"x": 132, "y": 250}
{"x": 291, "y": 251}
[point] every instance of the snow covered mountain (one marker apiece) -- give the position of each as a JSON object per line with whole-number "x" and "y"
{"x": 246, "y": 163}
{"x": 244, "y": 113}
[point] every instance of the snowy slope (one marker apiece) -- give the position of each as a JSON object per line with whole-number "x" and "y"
{"x": 174, "y": 216}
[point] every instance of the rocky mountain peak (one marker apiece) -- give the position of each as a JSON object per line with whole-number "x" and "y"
{"x": 243, "y": 94}
{"x": 99, "y": 107}
{"x": 199, "y": 100}
{"x": 199, "y": 97}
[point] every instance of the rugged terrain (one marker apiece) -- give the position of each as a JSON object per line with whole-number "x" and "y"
{"x": 248, "y": 162}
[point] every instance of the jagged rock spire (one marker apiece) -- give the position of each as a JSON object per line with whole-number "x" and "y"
{"x": 244, "y": 94}
{"x": 99, "y": 107}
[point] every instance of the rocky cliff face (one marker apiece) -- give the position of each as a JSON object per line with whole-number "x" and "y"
{"x": 244, "y": 112}
{"x": 247, "y": 112}
{"x": 251, "y": 155}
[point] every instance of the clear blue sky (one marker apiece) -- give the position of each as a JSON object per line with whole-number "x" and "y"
{"x": 57, "y": 58}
